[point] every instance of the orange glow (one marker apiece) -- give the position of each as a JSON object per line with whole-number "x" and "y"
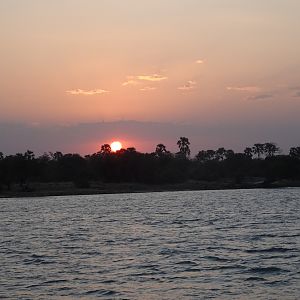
{"x": 116, "y": 146}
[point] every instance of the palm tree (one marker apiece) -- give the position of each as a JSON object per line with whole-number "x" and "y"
{"x": 184, "y": 146}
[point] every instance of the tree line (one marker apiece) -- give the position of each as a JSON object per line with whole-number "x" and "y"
{"x": 159, "y": 167}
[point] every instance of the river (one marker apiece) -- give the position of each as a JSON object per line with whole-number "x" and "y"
{"x": 233, "y": 244}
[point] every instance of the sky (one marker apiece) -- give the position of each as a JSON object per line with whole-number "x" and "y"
{"x": 75, "y": 74}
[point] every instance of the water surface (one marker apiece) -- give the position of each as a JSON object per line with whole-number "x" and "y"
{"x": 240, "y": 244}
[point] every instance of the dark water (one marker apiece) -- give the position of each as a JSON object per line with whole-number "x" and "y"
{"x": 241, "y": 244}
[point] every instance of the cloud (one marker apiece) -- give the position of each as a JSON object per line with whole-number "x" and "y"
{"x": 260, "y": 97}
{"x": 87, "y": 92}
{"x": 135, "y": 80}
{"x": 294, "y": 88}
{"x": 131, "y": 80}
{"x": 249, "y": 89}
{"x": 297, "y": 94}
{"x": 87, "y": 138}
{"x": 154, "y": 77}
{"x": 199, "y": 61}
{"x": 148, "y": 88}
{"x": 190, "y": 85}
{"x": 293, "y": 91}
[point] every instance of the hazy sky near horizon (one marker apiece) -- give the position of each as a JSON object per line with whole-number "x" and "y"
{"x": 207, "y": 62}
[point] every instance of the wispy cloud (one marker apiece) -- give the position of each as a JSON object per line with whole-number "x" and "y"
{"x": 260, "y": 97}
{"x": 297, "y": 94}
{"x": 249, "y": 89}
{"x": 292, "y": 91}
{"x": 138, "y": 79}
{"x": 135, "y": 80}
{"x": 148, "y": 88}
{"x": 199, "y": 61}
{"x": 153, "y": 77}
{"x": 294, "y": 88}
{"x": 130, "y": 81}
{"x": 87, "y": 92}
{"x": 190, "y": 85}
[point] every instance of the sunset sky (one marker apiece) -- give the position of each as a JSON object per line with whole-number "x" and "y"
{"x": 75, "y": 74}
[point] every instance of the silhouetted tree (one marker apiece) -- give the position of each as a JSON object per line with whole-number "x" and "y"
{"x": 29, "y": 155}
{"x": 211, "y": 154}
{"x": 295, "y": 152}
{"x": 56, "y": 155}
{"x": 105, "y": 149}
{"x": 248, "y": 152}
{"x": 131, "y": 150}
{"x": 281, "y": 167}
{"x": 1, "y": 170}
{"x": 161, "y": 150}
{"x": 121, "y": 152}
{"x": 184, "y": 146}
{"x": 202, "y": 156}
{"x": 20, "y": 168}
{"x": 206, "y": 155}
{"x": 270, "y": 149}
{"x": 220, "y": 153}
{"x": 128, "y": 165}
{"x": 229, "y": 154}
{"x": 258, "y": 149}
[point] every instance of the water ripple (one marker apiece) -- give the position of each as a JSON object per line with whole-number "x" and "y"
{"x": 242, "y": 244}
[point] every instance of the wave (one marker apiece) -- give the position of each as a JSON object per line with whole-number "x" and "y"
{"x": 216, "y": 258}
{"x": 253, "y": 278}
{"x": 267, "y": 270}
{"x": 101, "y": 293}
{"x": 269, "y": 250}
{"x": 187, "y": 262}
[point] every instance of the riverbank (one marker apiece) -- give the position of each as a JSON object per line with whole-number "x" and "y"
{"x": 68, "y": 188}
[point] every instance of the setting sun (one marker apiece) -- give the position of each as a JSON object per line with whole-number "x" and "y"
{"x": 116, "y": 146}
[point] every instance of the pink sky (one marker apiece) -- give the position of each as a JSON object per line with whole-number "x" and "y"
{"x": 200, "y": 63}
